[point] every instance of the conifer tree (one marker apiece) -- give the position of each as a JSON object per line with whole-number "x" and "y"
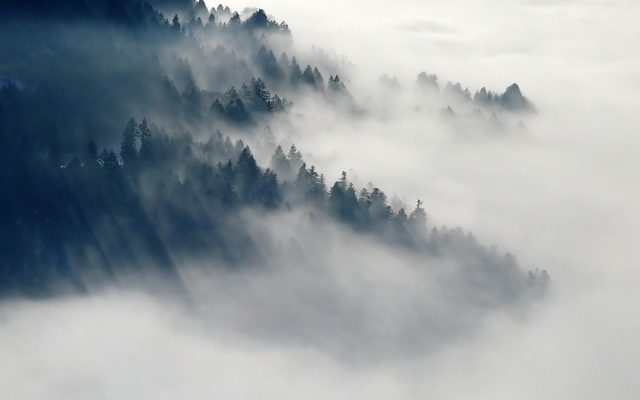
{"x": 128, "y": 150}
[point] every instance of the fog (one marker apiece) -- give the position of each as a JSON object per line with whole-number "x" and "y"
{"x": 558, "y": 195}
{"x": 337, "y": 315}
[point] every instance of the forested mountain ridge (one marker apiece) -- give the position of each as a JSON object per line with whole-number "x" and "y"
{"x": 92, "y": 193}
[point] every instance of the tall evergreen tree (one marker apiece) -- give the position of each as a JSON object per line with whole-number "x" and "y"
{"x": 108, "y": 160}
{"x": 247, "y": 176}
{"x": 318, "y": 79}
{"x": 418, "y": 216}
{"x": 236, "y": 110}
{"x": 295, "y": 157}
{"x": 284, "y": 63}
{"x": 295, "y": 74}
{"x": 267, "y": 62}
{"x": 280, "y": 164}
{"x": 308, "y": 77}
{"x": 145, "y": 141}
{"x": 343, "y": 202}
{"x": 261, "y": 94}
{"x": 217, "y": 108}
{"x": 128, "y": 149}
{"x": 175, "y": 23}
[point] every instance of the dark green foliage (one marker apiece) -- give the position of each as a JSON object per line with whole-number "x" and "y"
{"x": 428, "y": 82}
{"x": 236, "y": 111}
{"x": 74, "y": 213}
{"x": 277, "y": 104}
{"x": 307, "y": 76}
{"x": 295, "y": 74}
{"x": 294, "y": 157}
{"x": 261, "y": 93}
{"x": 234, "y": 21}
{"x": 179, "y": 198}
{"x": 104, "y": 216}
{"x": 313, "y": 78}
{"x": 258, "y": 20}
{"x": 280, "y": 164}
{"x": 192, "y": 99}
{"x": 512, "y": 99}
{"x": 247, "y": 173}
{"x": 310, "y": 185}
{"x": 217, "y": 108}
{"x": 108, "y": 160}
{"x": 146, "y": 146}
{"x": 128, "y": 145}
{"x": 336, "y": 85}
{"x": 284, "y": 63}
{"x": 254, "y": 186}
{"x": 318, "y": 79}
{"x": 175, "y": 23}
{"x": 342, "y": 200}
{"x": 418, "y": 216}
{"x": 241, "y": 106}
{"x": 266, "y": 60}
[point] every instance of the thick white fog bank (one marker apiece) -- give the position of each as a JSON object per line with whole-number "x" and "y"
{"x": 122, "y": 346}
{"x": 128, "y": 346}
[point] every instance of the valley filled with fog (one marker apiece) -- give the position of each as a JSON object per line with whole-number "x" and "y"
{"x": 421, "y": 239}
